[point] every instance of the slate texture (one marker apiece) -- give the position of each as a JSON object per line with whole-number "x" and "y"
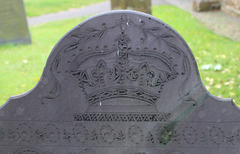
{"x": 121, "y": 82}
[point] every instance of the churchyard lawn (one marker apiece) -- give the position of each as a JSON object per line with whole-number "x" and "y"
{"x": 41, "y": 7}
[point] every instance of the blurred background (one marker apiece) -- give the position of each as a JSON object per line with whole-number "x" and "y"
{"x": 29, "y": 29}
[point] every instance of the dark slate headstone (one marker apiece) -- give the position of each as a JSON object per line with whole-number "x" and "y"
{"x": 122, "y": 82}
{"x": 13, "y": 22}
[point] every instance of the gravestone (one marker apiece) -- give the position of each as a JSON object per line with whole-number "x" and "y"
{"x": 206, "y": 5}
{"x": 13, "y": 22}
{"x": 137, "y": 5}
{"x": 121, "y": 82}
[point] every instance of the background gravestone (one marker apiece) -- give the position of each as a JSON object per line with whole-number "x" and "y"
{"x": 206, "y": 5}
{"x": 13, "y": 23}
{"x": 137, "y": 5}
{"x": 121, "y": 82}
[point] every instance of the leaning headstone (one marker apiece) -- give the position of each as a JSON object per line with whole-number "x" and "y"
{"x": 137, "y": 5}
{"x": 13, "y": 22}
{"x": 122, "y": 82}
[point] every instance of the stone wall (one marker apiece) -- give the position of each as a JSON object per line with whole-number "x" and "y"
{"x": 231, "y": 6}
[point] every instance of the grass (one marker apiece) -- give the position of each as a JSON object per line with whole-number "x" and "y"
{"x": 40, "y": 7}
{"x": 22, "y": 65}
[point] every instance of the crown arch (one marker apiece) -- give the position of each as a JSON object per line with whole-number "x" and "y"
{"x": 134, "y": 56}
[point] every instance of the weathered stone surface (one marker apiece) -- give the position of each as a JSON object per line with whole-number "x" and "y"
{"x": 13, "y": 23}
{"x": 231, "y": 6}
{"x": 137, "y": 5}
{"x": 206, "y": 5}
{"x": 122, "y": 82}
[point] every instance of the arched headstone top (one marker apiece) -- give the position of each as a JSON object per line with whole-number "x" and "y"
{"x": 121, "y": 54}
{"x": 124, "y": 82}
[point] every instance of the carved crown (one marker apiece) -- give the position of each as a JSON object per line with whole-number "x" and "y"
{"x": 123, "y": 73}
